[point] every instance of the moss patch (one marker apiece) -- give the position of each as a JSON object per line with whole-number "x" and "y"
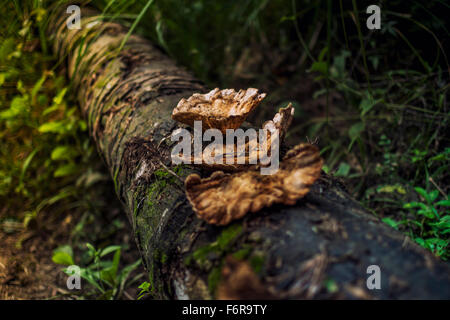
{"x": 242, "y": 253}
{"x": 164, "y": 258}
{"x": 257, "y": 262}
{"x": 214, "y": 279}
{"x": 216, "y": 249}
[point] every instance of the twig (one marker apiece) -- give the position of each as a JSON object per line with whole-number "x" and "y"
{"x": 126, "y": 294}
{"x": 437, "y": 187}
{"x": 171, "y": 172}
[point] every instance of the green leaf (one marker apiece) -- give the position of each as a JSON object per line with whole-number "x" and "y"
{"x": 2, "y": 78}
{"x": 443, "y": 224}
{"x": 443, "y": 156}
{"x": 62, "y": 258}
{"x": 63, "y": 153}
{"x": 375, "y": 60}
{"x": 63, "y": 255}
{"x": 323, "y": 53}
{"x": 145, "y": 288}
{"x": 115, "y": 264}
{"x": 82, "y": 125}
{"x": 126, "y": 271}
{"x": 59, "y": 97}
{"x": 65, "y": 170}
{"x": 422, "y": 243}
{"x": 50, "y": 109}
{"x": 109, "y": 249}
{"x": 426, "y": 212}
{"x": 160, "y": 34}
{"x": 355, "y": 132}
{"x": 343, "y": 170}
{"x": 391, "y": 189}
{"x": 90, "y": 247}
{"x": 38, "y": 86}
{"x": 423, "y": 193}
{"x": 436, "y": 214}
{"x": 331, "y": 285}
{"x": 135, "y": 23}
{"x": 109, "y": 273}
{"x": 390, "y": 222}
{"x": 6, "y": 48}
{"x": 414, "y": 204}
{"x": 444, "y": 203}
{"x": 26, "y": 164}
{"x": 19, "y": 107}
{"x": 339, "y": 62}
{"x": 433, "y": 195}
{"x": 92, "y": 278}
{"x": 433, "y": 242}
{"x": 54, "y": 126}
{"x": 319, "y": 66}
{"x": 92, "y": 253}
{"x": 365, "y": 105}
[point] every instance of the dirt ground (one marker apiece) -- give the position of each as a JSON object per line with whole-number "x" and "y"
{"x": 26, "y": 267}
{"x": 28, "y": 272}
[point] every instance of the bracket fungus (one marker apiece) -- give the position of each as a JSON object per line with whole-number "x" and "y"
{"x": 253, "y": 150}
{"x": 219, "y": 109}
{"x": 281, "y": 121}
{"x": 223, "y": 197}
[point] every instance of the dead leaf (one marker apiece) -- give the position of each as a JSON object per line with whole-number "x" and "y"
{"x": 310, "y": 277}
{"x": 220, "y": 109}
{"x": 358, "y": 292}
{"x": 239, "y": 282}
{"x": 222, "y": 197}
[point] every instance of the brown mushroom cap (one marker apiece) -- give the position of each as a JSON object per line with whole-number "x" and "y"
{"x": 220, "y": 109}
{"x": 223, "y": 197}
{"x": 281, "y": 121}
{"x": 280, "y": 124}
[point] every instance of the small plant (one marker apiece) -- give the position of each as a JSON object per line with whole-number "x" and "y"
{"x": 145, "y": 290}
{"x": 432, "y": 217}
{"x": 107, "y": 281}
{"x": 45, "y": 145}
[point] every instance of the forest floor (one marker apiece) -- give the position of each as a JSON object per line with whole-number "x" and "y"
{"x": 27, "y": 270}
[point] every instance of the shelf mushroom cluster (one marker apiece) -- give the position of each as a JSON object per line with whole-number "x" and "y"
{"x": 224, "y": 197}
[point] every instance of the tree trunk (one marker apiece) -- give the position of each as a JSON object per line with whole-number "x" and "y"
{"x": 319, "y": 248}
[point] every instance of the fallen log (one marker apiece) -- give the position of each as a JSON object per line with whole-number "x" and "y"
{"x": 321, "y": 247}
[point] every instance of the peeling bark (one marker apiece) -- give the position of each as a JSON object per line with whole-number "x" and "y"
{"x": 127, "y": 99}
